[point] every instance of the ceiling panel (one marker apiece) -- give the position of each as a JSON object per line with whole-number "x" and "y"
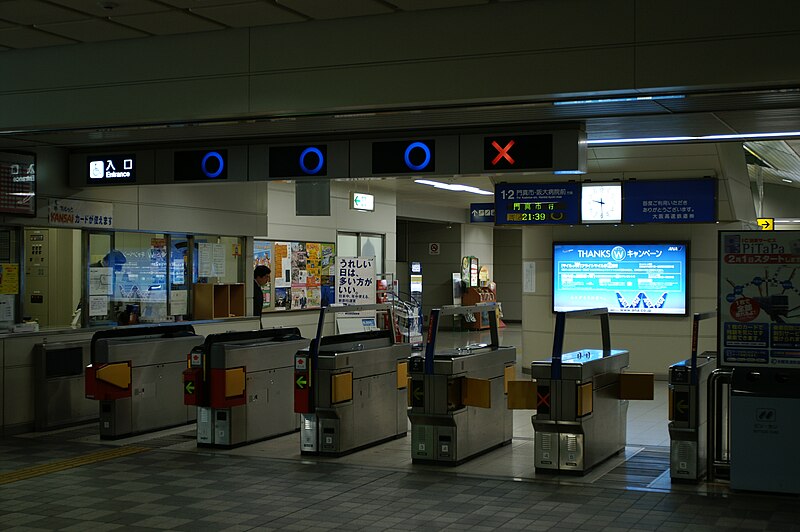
{"x": 22, "y": 37}
{"x": 115, "y": 7}
{"x": 411, "y": 5}
{"x": 30, "y": 12}
{"x": 93, "y": 30}
{"x": 326, "y": 9}
{"x": 167, "y": 22}
{"x": 248, "y": 14}
{"x": 190, "y": 4}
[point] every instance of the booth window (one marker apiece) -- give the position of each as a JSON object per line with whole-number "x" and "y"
{"x": 149, "y": 277}
{"x": 362, "y": 245}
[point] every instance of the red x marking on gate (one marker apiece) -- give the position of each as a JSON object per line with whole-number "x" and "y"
{"x": 542, "y": 399}
{"x": 502, "y": 153}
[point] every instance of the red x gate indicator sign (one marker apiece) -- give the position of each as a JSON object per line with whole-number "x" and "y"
{"x": 502, "y": 153}
{"x": 518, "y": 152}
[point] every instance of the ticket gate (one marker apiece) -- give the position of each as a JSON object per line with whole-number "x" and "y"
{"x": 582, "y": 401}
{"x": 351, "y": 389}
{"x": 688, "y": 412}
{"x": 458, "y": 403}
{"x": 136, "y": 375}
{"x": 241, "y": 383}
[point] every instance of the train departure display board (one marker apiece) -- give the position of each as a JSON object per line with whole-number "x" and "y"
{"x": 537, "y": 203}
{"x": 17, "y": 184}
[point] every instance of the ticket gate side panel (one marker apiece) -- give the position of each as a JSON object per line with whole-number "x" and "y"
{"x": 158, "y": 397}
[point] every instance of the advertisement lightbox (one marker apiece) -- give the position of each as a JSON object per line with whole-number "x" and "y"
{"x": 626, "y": 277}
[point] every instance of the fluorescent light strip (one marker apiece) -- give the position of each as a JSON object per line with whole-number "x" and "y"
{"x": 454, "y": 187}
{"x": 735, "y": 136}
{"x": 622, "y": 100}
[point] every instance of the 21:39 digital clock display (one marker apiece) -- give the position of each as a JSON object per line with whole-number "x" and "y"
{"x": 537, "y": 204}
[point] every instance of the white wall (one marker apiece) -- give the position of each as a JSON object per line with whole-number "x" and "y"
{"x": 654, "y": 342}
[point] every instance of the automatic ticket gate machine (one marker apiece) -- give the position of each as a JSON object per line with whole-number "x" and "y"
{"x": 688, "y": 413}
{"x": 351, "y": 389}
{"x": 458, "y": 403}
{"x": 241, "y": 383}
{"x": 135, "y": 374}
{"x": 582, "y": 401}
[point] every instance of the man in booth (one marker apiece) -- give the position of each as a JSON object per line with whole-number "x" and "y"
{"x": 260, "y": 278}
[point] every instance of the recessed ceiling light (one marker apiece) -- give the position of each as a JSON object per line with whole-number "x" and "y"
{"x": 455, "y": 187}
{"x": 687, "y": 138}
{"x": 786, "y": 180}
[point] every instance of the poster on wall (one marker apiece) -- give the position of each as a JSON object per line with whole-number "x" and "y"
{"x": 355, "y": 280}
{"x": 9, "y": 279}
{"x": 303, "y": 273}
{"x": 758, "y": 318}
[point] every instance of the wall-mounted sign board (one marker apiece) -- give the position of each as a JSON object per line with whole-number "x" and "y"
{"x": 671, "y": 201}
{"x": 133, "y": 167}
{"x": 18, "y": 184}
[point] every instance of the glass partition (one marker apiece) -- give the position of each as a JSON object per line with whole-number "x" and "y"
{"x": 150, "y": 277}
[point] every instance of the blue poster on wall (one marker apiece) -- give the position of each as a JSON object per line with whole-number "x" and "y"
{"x": 537, "y": 203}
{"x": 675, "y": 201}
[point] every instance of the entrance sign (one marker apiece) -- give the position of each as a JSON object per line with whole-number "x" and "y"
{"x": 17, "y": 184}
{"x": 111, "y": 169}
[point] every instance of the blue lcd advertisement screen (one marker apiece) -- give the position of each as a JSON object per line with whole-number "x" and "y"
{"x": 626, "y": 278}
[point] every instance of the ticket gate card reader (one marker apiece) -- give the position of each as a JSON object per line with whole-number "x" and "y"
{"x": 351, "y": 389}
{"x": 458, "y": 402}
{"x": 688, "y": 416}
{"x": 136, "y": 375}
{"x": 241, "y": 383}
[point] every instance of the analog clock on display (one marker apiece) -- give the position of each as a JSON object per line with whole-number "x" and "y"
{"x": 601, "y": 203}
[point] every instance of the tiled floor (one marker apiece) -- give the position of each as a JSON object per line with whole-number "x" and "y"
{"x": 168, "y": 483}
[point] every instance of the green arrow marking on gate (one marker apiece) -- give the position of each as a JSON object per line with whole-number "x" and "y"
{"x": 301, "y": 381}
{"x": 189, "y": 387}
{"x": 682, "y": 406}
{"x": 418, "y": 393}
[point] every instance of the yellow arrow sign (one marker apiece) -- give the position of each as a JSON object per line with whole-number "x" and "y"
{"x": 766, "y": 224}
